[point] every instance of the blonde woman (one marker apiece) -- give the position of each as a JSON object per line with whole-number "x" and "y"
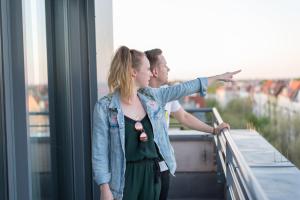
{"x": 130, "y": 145}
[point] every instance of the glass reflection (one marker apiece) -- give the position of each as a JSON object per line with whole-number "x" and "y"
{"x": 35, "y": 55}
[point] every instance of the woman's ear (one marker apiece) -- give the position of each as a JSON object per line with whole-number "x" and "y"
{"x": 133, "y": 73}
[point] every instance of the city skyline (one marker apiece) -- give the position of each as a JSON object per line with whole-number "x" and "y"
{"x": 210, "y": 37}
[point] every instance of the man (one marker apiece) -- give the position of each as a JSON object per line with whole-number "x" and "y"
{"x": 159, "y": 69}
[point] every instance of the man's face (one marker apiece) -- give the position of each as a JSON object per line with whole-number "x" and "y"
{"x": 162, "y": 69}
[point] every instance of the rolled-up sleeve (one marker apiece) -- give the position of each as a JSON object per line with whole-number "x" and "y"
{"x": 100, "y": 144}
{"x": 203, "y": 86}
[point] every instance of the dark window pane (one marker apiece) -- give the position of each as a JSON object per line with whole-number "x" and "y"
{"x": 35, "y": 54}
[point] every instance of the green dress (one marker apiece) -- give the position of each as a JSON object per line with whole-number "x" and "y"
{"x": 142, "y": 171}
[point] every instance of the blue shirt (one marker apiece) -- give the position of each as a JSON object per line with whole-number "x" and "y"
{"x": 108, "y": 140}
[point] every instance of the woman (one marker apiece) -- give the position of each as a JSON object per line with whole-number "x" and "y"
{"x": 129, "y": 130}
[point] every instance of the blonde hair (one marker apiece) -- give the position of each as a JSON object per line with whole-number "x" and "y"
{"x": 119, "y": 76}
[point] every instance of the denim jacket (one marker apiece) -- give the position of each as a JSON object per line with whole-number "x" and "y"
{"x": 108, "y": 140}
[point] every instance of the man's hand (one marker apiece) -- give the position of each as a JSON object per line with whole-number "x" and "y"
{"x": 222, "y": 127}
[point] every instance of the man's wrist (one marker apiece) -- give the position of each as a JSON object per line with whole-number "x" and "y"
{"x": 214, "y": 131}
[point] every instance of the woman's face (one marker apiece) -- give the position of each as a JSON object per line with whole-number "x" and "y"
{"x": 143, "y": 74}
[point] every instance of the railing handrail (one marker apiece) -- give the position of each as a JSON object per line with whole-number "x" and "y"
{"x": 252, "y": 187}
{"x": 39, "y": 125}
{"x": 39, "y": 113}
{"x": 192, "y": 110}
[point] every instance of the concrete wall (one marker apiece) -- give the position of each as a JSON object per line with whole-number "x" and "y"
{"x": 104, "y": 42}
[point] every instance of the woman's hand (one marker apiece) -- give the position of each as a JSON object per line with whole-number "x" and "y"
{"x": 221, "y": 127}
{"x": 228, "y": 76}
{"x": 105, "y": 192}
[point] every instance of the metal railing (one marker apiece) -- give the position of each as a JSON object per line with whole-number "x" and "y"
{"x": 240, "y": 182}
{"x": 39, "y": 124}
{"x": 200, "y": 113}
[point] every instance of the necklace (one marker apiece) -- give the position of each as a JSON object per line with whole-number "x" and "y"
{"x": 134, "y": 109}
{"x": 136, "y": 117}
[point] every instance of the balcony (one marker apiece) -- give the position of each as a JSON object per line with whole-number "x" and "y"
{"x": 239, "y": 164}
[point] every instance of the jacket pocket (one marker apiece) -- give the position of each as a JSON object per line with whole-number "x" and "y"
{"x": 113, "y": 120}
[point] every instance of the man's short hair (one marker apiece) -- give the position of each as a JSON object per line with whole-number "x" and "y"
{"x": 152, "y": 56}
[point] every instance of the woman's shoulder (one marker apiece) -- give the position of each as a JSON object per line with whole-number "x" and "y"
{"x": 148, "y": 92}
{"x": 105, "y": 100}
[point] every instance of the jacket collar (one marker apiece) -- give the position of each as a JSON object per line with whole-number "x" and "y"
{"x": 148, "y": 104}
{"x": 115, "y": 102}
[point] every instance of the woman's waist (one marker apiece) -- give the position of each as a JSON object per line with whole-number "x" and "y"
{"x": 143, "y": 160}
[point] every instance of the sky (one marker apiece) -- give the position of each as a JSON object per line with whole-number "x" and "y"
{"x": 209, "y": 37}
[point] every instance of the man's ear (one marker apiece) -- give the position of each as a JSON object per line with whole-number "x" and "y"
{"x": 155, "y": 72}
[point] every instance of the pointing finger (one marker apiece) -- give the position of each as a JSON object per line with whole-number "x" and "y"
{"x": 236, "y": 72}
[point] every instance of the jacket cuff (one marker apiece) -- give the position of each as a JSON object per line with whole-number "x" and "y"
{"x": 203, "y": 86}
{"x": 102, "y": 179}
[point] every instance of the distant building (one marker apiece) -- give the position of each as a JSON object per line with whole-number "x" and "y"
{"x": 265, "y": 99}
{"x": 270, "y": 97}
{"x": 288, "y": 99}
{"x": 225, "y": 94}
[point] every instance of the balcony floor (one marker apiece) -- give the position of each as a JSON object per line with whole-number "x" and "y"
{"x": 278, "y": 177}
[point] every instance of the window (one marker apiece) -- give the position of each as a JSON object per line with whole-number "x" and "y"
{"x": 36, "y": 76}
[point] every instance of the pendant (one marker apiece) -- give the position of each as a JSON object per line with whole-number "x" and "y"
{"x": 143, "y": 137}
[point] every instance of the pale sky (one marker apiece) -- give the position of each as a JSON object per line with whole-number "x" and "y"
{"x": 203, "y": 38}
